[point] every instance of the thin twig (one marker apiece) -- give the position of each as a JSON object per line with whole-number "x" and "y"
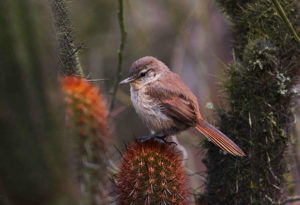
{"x": 77, "y": 61}
{"x": 120, "y": 54}
{"x": 286, "y": 20}
{"x": 290, "y": 199}
{"x": 96, "y": 80}
{"x": 295, "y": 139}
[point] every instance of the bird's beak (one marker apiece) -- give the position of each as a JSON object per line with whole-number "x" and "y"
{"x": 127, "y": 80}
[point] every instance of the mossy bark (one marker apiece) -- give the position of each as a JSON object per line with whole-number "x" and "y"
{"x": 34, "y": 166}
{"x": 259, "y": 84}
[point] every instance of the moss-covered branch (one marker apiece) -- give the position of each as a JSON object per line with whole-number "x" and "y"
{"x": 259, "y": 84}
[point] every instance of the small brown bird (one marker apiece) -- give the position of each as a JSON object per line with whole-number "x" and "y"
{"x": 166, "y": 104}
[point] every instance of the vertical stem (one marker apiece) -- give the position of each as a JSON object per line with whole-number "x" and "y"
{"x": 286, "y": 20}
{"x": 295, "y": 147}
{"x": 120, "y": 53}
{"x": 68, "y": 51}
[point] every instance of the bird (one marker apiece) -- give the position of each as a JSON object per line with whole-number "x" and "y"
{"x": 167, "y": 106}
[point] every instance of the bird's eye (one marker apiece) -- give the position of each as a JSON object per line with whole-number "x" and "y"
{"x": 142, "y": 74}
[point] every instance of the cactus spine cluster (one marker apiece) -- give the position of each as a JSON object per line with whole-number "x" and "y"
{"x": 151, "y": 173}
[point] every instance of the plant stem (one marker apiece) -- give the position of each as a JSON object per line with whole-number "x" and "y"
{"x": 286, "y": 20}
{"x": 120, "y": 54}
{"x": 78, "y": 66}
{"x": 68, "y": 52}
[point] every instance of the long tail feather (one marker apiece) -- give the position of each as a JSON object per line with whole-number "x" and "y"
{"x": 219, "y": 139}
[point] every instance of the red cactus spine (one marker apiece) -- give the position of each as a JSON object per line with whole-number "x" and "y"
{"x": 151, "y": 173}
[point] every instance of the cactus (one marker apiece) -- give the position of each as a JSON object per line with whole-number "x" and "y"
{"x": 68, "y": 51}
{"x": 86, "y": 107}
{"x": 151, "y": 173}
{"x": 87, "y": 114}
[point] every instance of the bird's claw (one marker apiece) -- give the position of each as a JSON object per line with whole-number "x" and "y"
{"x": 161, "y": 139}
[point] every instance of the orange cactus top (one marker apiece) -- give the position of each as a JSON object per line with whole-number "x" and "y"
{"x": 85, "y": 103}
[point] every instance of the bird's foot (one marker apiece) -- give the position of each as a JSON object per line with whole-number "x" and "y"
{"x": 161, "y": 139}
{"x": 144, "y": 138}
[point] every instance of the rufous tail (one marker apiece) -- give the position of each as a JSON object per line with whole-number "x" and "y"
{"x": 219, "y": 139}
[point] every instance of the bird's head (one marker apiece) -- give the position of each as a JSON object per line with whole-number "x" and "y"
{"x": 144, "y": 71}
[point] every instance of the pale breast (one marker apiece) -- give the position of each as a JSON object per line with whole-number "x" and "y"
{"x": 148, "y": 110}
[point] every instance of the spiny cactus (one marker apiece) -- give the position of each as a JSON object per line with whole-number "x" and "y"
{"x": 68, "y": 52}
{"x": 88, "y": 117}
{"x": 86, "y": 107}
{"x": 151, "y": 173}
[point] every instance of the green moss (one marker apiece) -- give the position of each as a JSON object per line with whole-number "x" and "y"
{"x": 259, "y": 84}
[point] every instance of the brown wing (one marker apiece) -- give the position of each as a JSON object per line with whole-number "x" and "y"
{"x": 174, "y": 104}
{"x": 180, "y": 110}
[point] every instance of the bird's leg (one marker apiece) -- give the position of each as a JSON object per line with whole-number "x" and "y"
{"x": 162, "y": 139}
{"x": 144, "y": 138}
{"x": 155, "y": 136}
{"x": 159, "y": 137}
